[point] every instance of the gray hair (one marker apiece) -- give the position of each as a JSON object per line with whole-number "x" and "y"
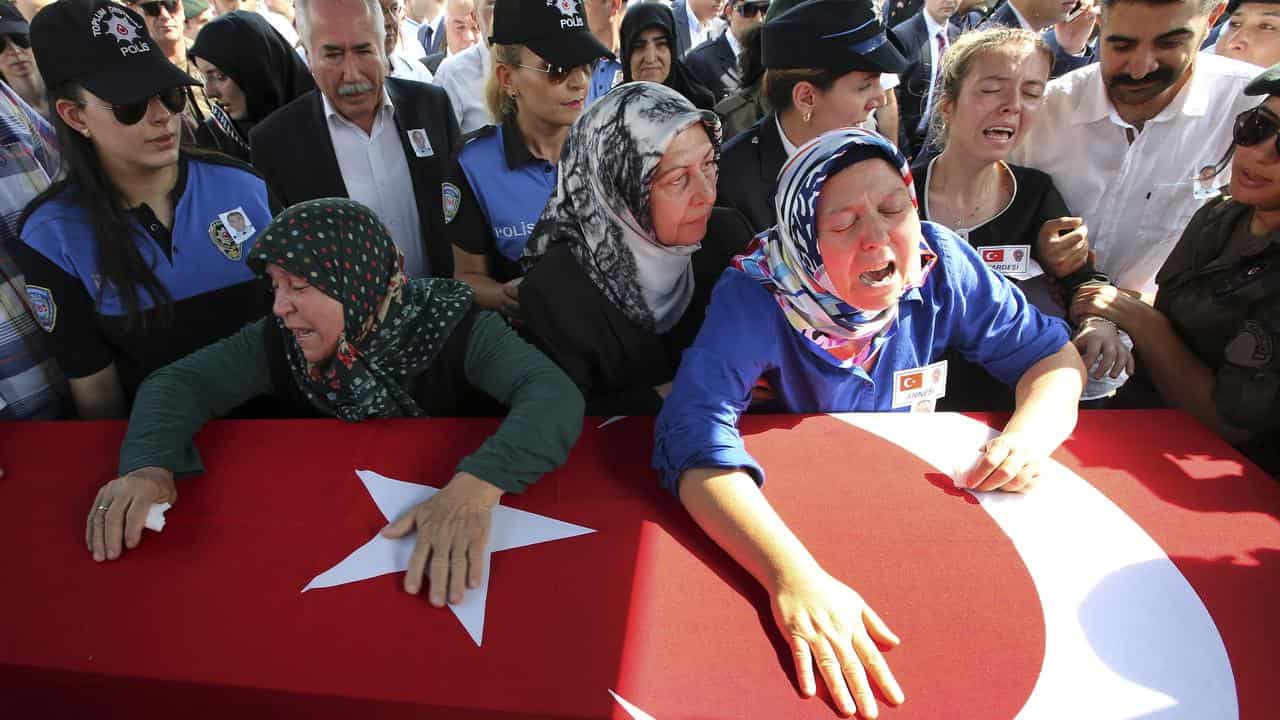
{"x": 302, "y": 15}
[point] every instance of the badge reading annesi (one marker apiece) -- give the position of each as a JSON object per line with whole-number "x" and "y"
{"x": 1012, "y": 260}
{"x": 420, "y": 143}
{"x": 920, "y": 388}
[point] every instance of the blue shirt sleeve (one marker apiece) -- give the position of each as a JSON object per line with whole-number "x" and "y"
{"x": 992, "y": 323}
{"x": 698, "y": 424}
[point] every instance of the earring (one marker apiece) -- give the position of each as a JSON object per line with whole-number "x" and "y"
{"x": 808, "y": 116}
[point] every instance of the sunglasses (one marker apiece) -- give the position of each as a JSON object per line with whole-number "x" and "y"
{"x": 750, "y": 10}
{"x": 22, "y": 41}
{"x": 556, "y": 74}
{"x": 1256, "y": 126}
{"x": 175, "y": 99}
{"x": 152, "y": 9}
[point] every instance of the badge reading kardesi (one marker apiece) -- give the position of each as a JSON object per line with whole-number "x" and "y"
{"x": 920, "y": 388}
{"x": 1007, "y": 259}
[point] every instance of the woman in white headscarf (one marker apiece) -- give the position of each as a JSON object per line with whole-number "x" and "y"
{"x": 628, "y": 247}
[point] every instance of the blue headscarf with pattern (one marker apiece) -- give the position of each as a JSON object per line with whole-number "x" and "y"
{"x": 785, "y": 258}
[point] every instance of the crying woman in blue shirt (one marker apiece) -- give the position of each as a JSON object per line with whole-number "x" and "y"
{"x": 845, "y": 306}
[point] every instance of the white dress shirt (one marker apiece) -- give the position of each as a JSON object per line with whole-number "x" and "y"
{"x": 405, "y": 69}
{"x": 410, "y": 46}
{"x": 700, "y": 32}
{"x": 280, "y": 23}
{"x": 734, "y": 45}
{"x": 462, "y": 76}
{"x": 376, "y": 173}
{"x": 1135, "y": 198}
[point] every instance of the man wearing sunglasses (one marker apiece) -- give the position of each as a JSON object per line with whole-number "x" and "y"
{"x": 17, "y": 64}
{"x": 383, "y": 142}
{"x": 715, "y": 63}
{"x": 1211, "y": 344}
{"x": 1125, "y": 139}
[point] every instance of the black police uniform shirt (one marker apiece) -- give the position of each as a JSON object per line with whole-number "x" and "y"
{"x": 1035, "y": 200}
{"x": 1220, "y": 289}
{"x": 200, "y": 262}
{"x": 749, "y": 167}
{"x": 494, "y": 196}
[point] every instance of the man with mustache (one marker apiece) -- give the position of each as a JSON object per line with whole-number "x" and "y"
{"x": 351, "y": 137}
{"x": 1125, "y": 139}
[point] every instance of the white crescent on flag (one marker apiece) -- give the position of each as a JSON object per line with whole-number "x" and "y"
{"x": 1126, "y": 636}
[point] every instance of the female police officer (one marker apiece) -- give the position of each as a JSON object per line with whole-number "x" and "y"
{"x": 129, "y": 262}
{"x": 504, "y": 174}
{"x": 1209, "y": 344}
{"x": 823, "y": 60}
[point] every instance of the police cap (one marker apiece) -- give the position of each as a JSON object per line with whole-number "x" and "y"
{"x": 836, "y": 35}
{"x": 1268, "y": 83}
{"x": 554, "y": 29}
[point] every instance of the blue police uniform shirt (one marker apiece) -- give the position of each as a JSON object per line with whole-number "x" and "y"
{"x": 963, "y": 305}
{"x": 509, "y": 187}
{"x": 606, "y": 74}
{"x": 200, "y": 261}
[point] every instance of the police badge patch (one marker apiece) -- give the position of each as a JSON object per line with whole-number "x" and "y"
{"x": 451, "y": 196}
{"x": 43, "y": 307}
{"x": 223, "y": 241}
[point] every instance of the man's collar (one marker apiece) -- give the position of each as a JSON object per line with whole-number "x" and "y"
{"x": 932, "y": 25}
{"x": 734, "y": 45}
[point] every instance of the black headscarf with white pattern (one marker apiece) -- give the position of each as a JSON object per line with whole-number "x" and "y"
{"x": 601, "y": 204}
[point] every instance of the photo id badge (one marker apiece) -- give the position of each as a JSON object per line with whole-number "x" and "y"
{"x": 237, "y": 224}
{"x": 920, "y": 388}
{"x": 1011, "y": 260}
{"x": 420, "y": 143}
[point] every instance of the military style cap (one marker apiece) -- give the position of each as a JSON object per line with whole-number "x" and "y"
{"x": 11, "y": 21}
{"x": 105, "y": 48}
{"x": 555, "y": 29}
{"x": 777, "y": 7}
{"x": 836, "y": 35}
{"x": 1268, "y": 83}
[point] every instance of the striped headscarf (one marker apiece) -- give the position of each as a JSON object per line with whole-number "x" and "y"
{"x": 785, "y": 258}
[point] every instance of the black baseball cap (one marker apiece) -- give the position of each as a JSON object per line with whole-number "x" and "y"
{"x": 11, "y": 21}
{"x": 836, "y": 35}
{"x": 1268, "y": 83}
{"x": 555, "y": 29}
{"x": 105, "y": 48}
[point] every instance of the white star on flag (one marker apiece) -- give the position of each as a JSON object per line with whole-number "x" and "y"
{"x": 511, "y": 528}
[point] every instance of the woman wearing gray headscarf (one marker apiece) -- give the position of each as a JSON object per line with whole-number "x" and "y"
{"x": 629, "y": 246}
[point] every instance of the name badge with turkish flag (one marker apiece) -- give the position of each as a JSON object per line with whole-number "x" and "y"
{"x": 1011, "y": 260}
{"x": 920, "y": 388}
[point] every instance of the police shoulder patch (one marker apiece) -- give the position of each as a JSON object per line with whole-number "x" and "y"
{"x": 43, "y": 308}
{"x": 451, "y": 196}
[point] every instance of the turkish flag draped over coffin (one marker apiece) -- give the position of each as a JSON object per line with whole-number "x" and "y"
{"x": 209, "y": 613}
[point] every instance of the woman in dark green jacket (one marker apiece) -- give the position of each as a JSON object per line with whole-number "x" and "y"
{"x": 352, "y": 339}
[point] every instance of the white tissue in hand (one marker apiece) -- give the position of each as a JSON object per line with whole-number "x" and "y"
{"x": 155, "y": 516}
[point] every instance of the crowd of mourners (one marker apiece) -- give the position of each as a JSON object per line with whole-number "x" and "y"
{"x": 540, "y": 209}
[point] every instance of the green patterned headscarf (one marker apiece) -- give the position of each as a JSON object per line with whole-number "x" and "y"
{"x": 393, "y": 329}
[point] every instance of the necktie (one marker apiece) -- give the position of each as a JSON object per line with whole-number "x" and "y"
{"x": 942, "y": 48}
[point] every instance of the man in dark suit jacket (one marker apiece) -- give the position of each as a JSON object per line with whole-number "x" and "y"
{"x": 715, "y": 63}
{"x": 919, "y": 36}
{"x": 1042, "y": 15}
{"x": 380, "y": 141}
{"x": 681, "y": 11}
